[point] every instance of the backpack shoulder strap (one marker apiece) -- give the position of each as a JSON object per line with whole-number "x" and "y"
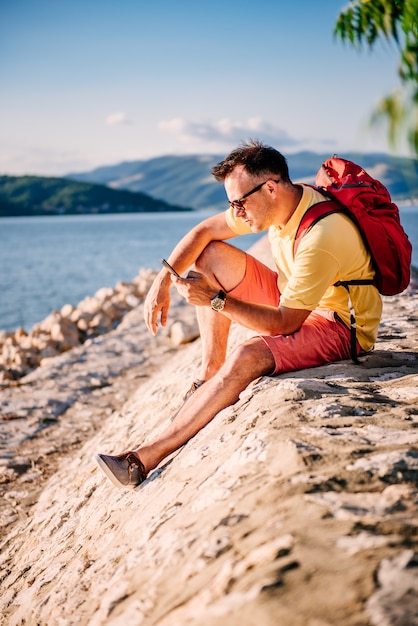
{"x": 315, "y": 213}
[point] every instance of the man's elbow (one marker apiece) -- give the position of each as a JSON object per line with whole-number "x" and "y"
{"x": 289, "y": 321}
{"x": 279, "y": 329}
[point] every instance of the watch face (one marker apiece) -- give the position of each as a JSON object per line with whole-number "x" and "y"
{"x": 218, "y": 302}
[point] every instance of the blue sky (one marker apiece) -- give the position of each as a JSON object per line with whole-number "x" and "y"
{"x": 95, "y": 82}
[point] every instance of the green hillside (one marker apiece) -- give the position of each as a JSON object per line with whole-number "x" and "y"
{"x": 172, "y": 183}
{"x": 187, "y": 180}
{"x": 33, "y": 195}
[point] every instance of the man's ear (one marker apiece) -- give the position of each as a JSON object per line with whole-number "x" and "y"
{"x": 272, "y": 187}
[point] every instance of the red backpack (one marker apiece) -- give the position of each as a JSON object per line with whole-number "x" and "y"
{"x": 368, "y": 203}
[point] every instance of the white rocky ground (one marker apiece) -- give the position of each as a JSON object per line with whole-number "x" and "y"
{"x": 297, "y": 506}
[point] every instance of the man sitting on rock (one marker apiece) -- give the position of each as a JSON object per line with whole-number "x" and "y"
{"x": 300, "y": 319}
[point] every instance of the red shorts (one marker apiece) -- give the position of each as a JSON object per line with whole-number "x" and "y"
{"x": 321, "y": 339}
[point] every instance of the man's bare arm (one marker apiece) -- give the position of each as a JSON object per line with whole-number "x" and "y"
{"x": 265, "y": 319}
{"x": 184, "y": 255}
{"x": 190, "y": 247}
{"x": 262, "y": 318}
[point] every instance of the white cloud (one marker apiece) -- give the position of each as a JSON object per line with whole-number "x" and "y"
{"x": 21, "y": 160}
{"x": 225, "y": 132}
{"x": 118, "y": 119}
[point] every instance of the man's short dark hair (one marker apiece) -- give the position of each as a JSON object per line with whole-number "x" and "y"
{"x": 257, "y": 158}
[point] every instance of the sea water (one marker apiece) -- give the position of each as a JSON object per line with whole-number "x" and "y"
{"x": 46, "y": 262}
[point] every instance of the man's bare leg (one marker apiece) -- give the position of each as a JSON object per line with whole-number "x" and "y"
{"x": 248, "y": 362}
{"x": 225, "y": 265}
{"x": 214, "y": 332}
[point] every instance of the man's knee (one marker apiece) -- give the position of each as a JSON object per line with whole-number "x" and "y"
{"x": 251, "y": 359}
{"x": 224, "y": 263}
{"x": 209, "y": 254}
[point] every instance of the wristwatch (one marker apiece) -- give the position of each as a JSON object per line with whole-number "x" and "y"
{"x": 218, "y": 302}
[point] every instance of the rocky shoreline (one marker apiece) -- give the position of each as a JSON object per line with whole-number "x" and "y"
{"x": 296, "y": 506}
{"x": 21, "y": 352}
{"x": 61, "y": 402}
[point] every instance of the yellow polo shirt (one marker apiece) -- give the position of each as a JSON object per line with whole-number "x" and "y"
{"x": 332, "y": 250}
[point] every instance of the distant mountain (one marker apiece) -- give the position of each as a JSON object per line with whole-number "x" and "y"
{"x": 187, "y": 180}
{"x": 33, "y": 195}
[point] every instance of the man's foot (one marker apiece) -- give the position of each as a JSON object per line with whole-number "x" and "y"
{"x": 195, "y": 385}
{"x": 124, "y": 470}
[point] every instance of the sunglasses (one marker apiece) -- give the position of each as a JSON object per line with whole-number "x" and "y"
{"x": 238, "y": 204}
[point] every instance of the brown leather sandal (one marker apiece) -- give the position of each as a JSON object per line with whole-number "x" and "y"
{"x": 124, "y": 470}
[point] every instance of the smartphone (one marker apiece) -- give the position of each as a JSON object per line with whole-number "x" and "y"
{"x": 170, "y": 269}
